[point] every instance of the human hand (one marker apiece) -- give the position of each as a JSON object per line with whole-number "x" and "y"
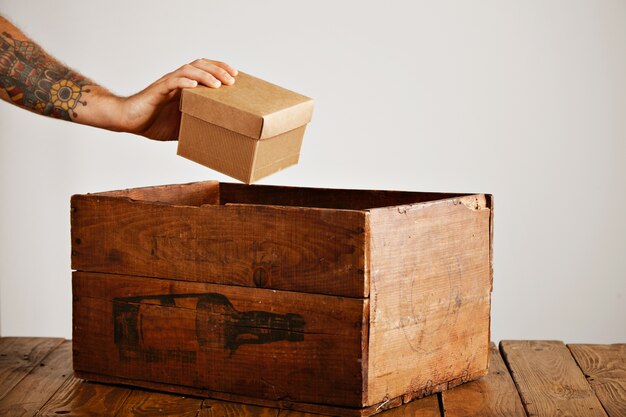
{"x": 58, "y": 91}
{"x": 154, "y": 112}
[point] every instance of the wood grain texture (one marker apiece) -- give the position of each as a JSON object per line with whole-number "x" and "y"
{"x": 250, "y": 403}
{"x": 322, "y": 197}
{"x": 548, "y": 379}
{"x": 19, "y": 355}
{"x": 142, "y": 403}
{"x": 288, "y": 248}
{"x": 192, "y": 194}
{"x": 34, "y": 390}
{"x": 493, "y": 395}
{"x": 246, "y": 402}
{"x": 423, "y": 328}
{"x": 431, "y": 286}
{"x": 604, "y": 367}
{"x": 216, "y": 408}
{"x": 423, "y": 407}
{"x": 77, "y": 398}
{"x": 294, "y": 413}
{"x": 269, "y": 344}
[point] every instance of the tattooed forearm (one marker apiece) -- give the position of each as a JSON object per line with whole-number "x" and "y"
{"x": 32, "y": 79}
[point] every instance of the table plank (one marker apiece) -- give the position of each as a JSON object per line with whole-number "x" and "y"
{"x": 216, "y": 408}
{"x": 36, "y": 388}
{"x": 547, "y": 375}
{"x": 548, "y": 379}
{"x": 605, "y": 369}
{"x": 19, "y": 355}
{"x": 292, "y": 413}
{"x": 78, "y": 398}
{"x": 424, "y": 407}
{"x": 492, "y": 395}
{"x": 141, "y": 403}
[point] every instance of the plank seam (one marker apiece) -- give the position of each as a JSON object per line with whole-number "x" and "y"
{"x": 86, "y": 271}
{"x": 512, "y": 374}
{"x": 440, "y": 404}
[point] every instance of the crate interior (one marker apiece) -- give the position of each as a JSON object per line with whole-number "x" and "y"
{"x": 214, "y": 193}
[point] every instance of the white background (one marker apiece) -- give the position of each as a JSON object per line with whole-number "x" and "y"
{"x": 525, "y": 100}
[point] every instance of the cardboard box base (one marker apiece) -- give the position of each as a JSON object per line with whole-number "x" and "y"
{"x": 236, "y": 155}
{"x": 285, "y": 404}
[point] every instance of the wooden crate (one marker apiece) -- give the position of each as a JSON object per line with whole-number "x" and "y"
{"x": 341, "y": 302}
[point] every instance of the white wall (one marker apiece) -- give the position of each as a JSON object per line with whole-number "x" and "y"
{"x": 526, "y": 100}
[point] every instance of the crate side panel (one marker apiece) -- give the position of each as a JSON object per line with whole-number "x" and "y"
{"x": 430, "y": 296}
{"x": 276, "y": 345}
{"x": 288, "y": 248}
{"x": 323, "y": 197}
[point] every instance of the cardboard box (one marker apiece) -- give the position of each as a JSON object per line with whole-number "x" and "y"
{"x": 248, "y": 130}
{"x": 339, "y": 302}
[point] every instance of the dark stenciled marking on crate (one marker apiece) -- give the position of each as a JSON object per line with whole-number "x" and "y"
{"x": 142, "y": 334}
{"x": 414, "y": 318}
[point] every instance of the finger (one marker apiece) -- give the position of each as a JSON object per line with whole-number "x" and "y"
{"x": 232, "y": 71}
{"x": 175, "y": 83}
{"x": 218, "y": 72}
{"x": 170, "y": 86}
{"x": 200, "y": 75}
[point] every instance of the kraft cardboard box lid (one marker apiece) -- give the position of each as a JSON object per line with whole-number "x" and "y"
{"x": 251, "y": 107}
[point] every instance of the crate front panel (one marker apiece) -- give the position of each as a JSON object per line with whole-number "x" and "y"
{"x": 288, "y": 248}
{"x": 259, "y": 343}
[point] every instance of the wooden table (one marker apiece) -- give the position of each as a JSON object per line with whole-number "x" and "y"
{"x": 527, "y": 378}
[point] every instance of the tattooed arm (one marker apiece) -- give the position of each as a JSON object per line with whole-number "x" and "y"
{"x": 34, "y": 80}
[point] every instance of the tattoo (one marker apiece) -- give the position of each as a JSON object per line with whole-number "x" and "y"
{"x": 35, "y": 81}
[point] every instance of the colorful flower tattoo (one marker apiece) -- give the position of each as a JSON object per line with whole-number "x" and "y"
{"x": 35, "y": 81}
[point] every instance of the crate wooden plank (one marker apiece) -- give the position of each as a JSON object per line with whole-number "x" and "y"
{"x": 604, "y": 367}
{"x": 34, "y": 390}
{"x": 77, "y": 398}
{"x": 19, "y": 355}
{"x": 430, "y": 272}
{"x": 142, "y": 403}
{"x": 284, "y": 403}
{"x": 193, "y": 194}
{"x": 321, "y": 197}
{"x": 548, "y": 379}
{"x": 221, "y": 338}
{"x": 288, "y": 248}
{"x": 493, "y": 395}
